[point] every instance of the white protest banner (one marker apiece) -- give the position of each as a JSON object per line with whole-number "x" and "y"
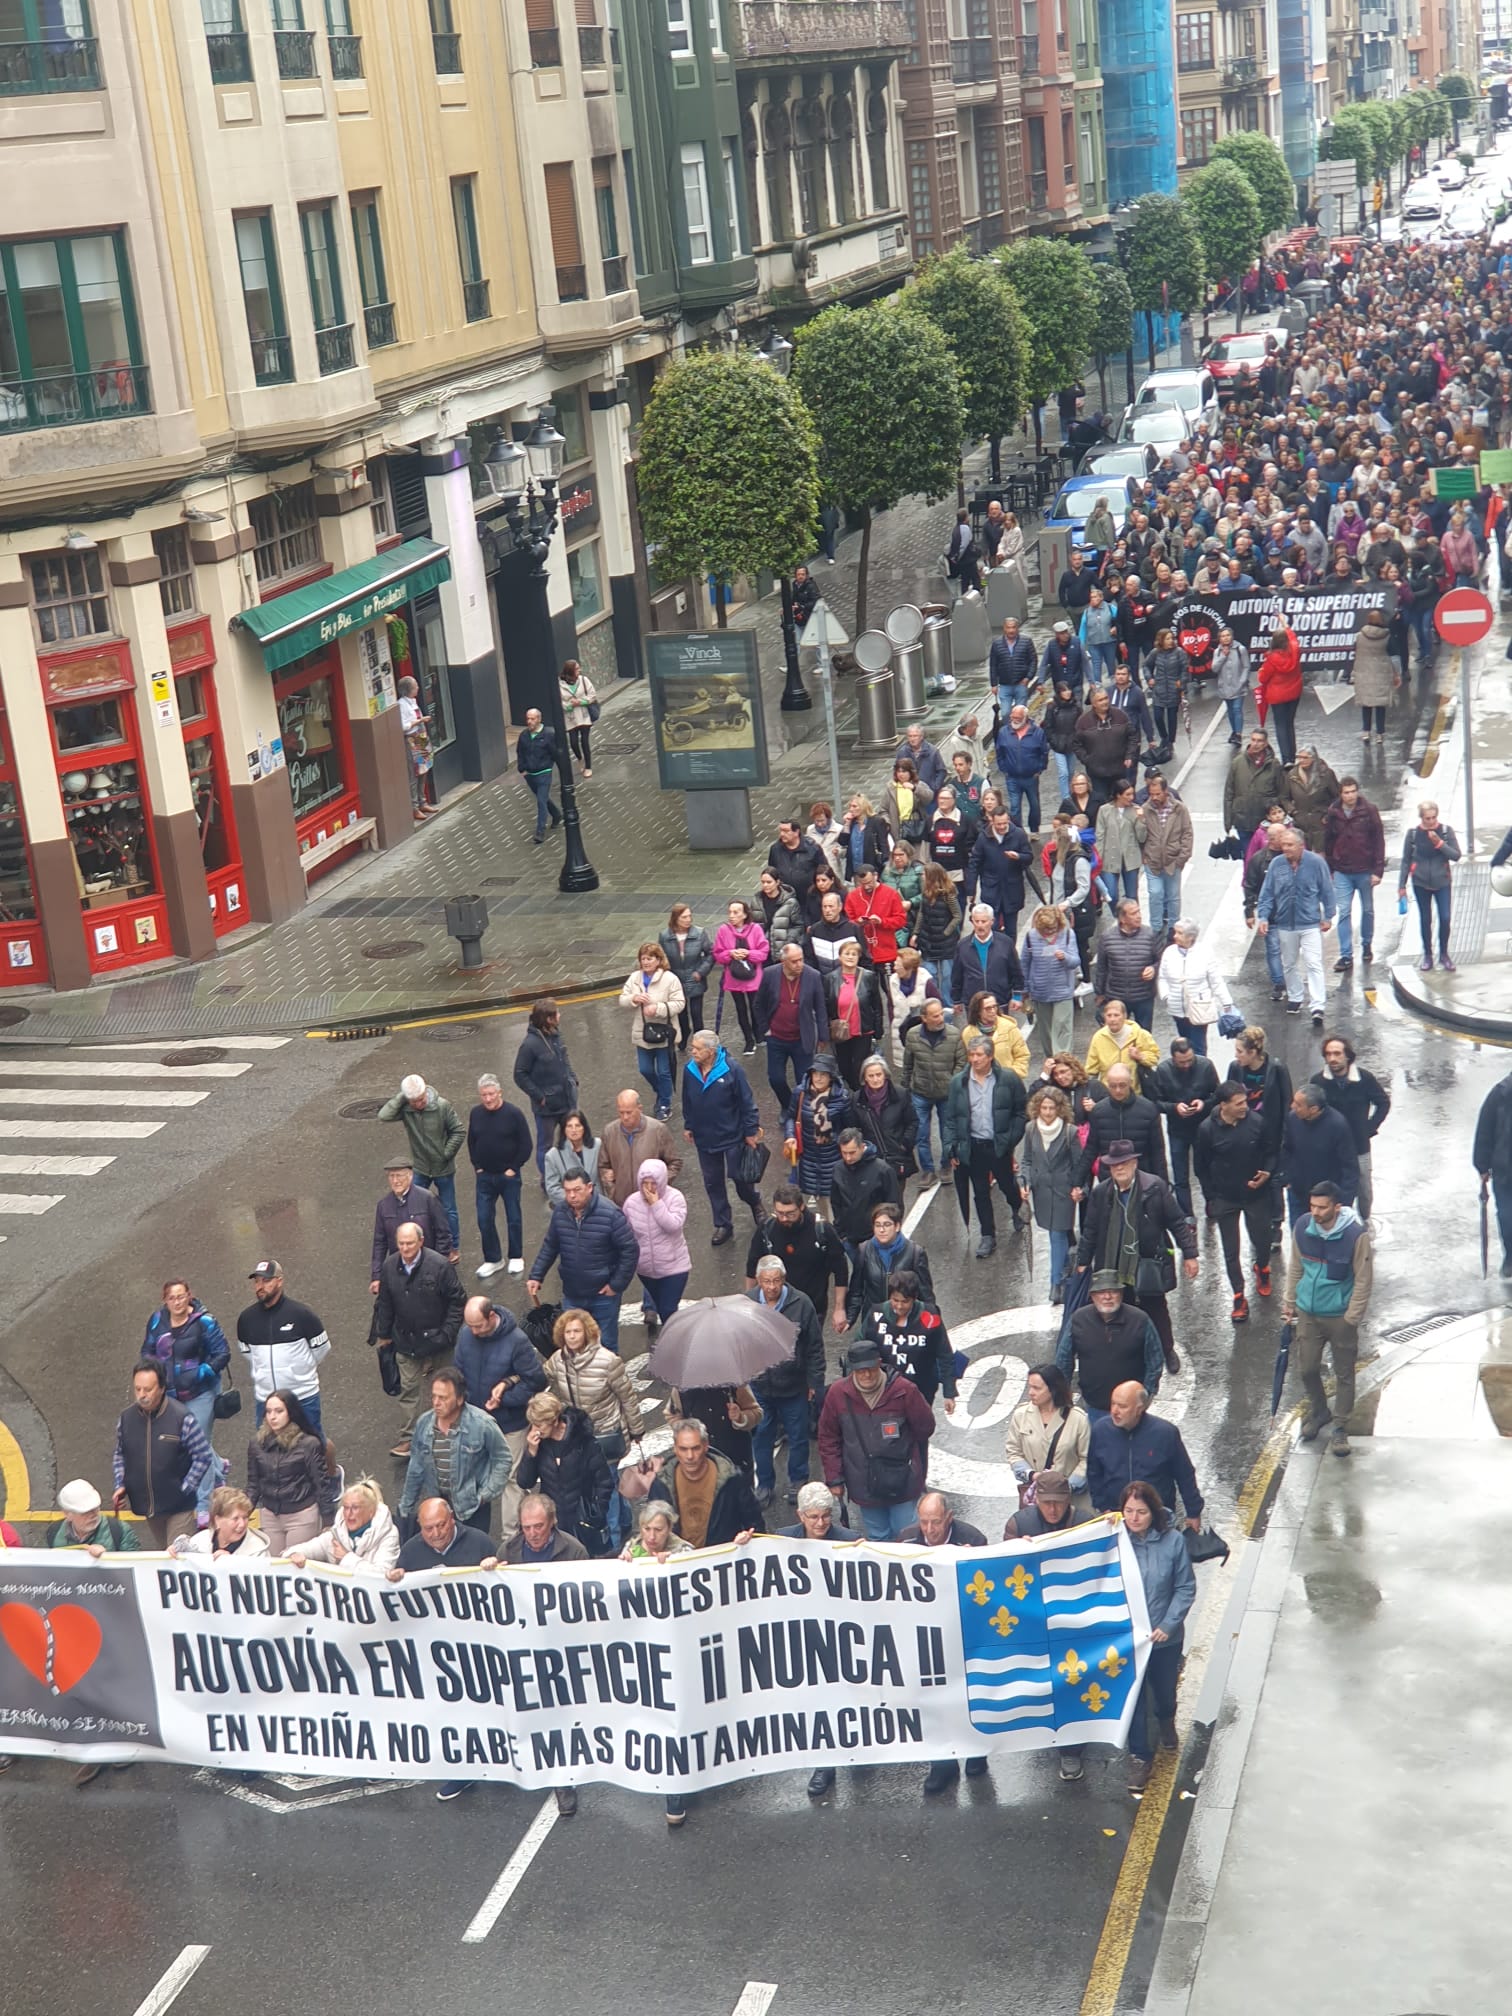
{"x": 780, "y": 1655}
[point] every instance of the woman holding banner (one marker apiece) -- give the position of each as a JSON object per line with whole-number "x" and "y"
{"x": 1170, "y": 1590}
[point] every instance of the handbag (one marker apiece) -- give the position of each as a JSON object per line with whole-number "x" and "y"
{"x": 1231, "y": 1023}
{"x": 1027, "y": 1495}
{"x": 839, "y": 1030}
{"x": 594, "y": 710}
{"x": 1205, "y": 1546}
{"x": 388, "y": 1370}
{"x": 1149, "y": 1277}
{"x": 227, "y": 1401}
{"x": 752, "y": 1163}
{"x": 1198, "y": 1005}
{"x": 655, "y": 1035}
{"x": 740, "y": 967}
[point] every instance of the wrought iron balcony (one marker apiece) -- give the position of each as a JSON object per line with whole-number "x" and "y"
{"x": 1029, "y": 61}
{"x": 545, "y": 49}
{"x": 334, "y": 348}
{"x": 296, "y": 52}
{"x": 379, "y": 323}
{"x": 475, "y": 300}
{"x": 1240, "y": 72}
{"x": 616, "y": 275}
{"x": 230, "y": 58}
{"x": 346, "y": 57}
{"x": 30, "y": 69}
{"x": 272, "y": 360}
{"x": 1039, "y": 189}
{"x": 788, "y": 28}
{"x": 69, "y": 399}
{"x": 572, "y": 283}
{"x": 591, "y": 48}
{"x": 448, "y": 54}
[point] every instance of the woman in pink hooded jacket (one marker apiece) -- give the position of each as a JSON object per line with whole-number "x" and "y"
{"x": 657, "y": 1214}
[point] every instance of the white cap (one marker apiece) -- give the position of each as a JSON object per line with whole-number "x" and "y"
{"x": 78, "y": 1497}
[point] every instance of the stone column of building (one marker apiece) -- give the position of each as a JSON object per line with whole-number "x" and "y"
{"x": 477, "y": 695}
{"x": 861, "y": 90}
{"x": 608, "y": 426}
{"x": 761, "y": 223}
{"x": 135, "y": 571}
{"x": 380, "y": 760}
{"x": 54, "y": 870}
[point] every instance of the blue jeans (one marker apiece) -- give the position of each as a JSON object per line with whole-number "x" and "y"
{"x": 1274, "y": 964}
{"x": 1194, "y": 1032}
{"x": 1009, "y": 697}
{"x": 491, "y": 1191}
{"x": 604, "y": 1309}
{"x": 1346, "y": 887}
{"x": 923, "y": 1108}
{"x": 545, "y": 1130}
{"x": 1421, "y": 619}
{"x": 1102, "y": 661}
{"x": 1167, "y": 721}
{"x": 886, "y": 1522}
{"x": 792, "y": 1416}
{"x": 202, "y": 1407}
{"x": 1110, "y": 879}
{"x": 656, "y": 1069}
{"x": 1165, "y": 899}
{"x": 778, "y": 1056}
{"x": 1427, "y": 901}
{"x": 540, "y": 784}
{"x": 1024, "y": 791}
{"x": 445, "y": 1188}
{"x": 1157, "y": 1696}
{"x": 1060, "y": 1255}
{"x": 1181, "y": 1166}
{"x": 311, "y": 1407}
{"x": 663, "y": 1292}
{"x": 1235, "y": 710}
{"x": 1063, "y": 771}
{"x": 617, "y": 1516}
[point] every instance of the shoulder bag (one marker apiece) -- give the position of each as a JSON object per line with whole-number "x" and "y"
{"x": 227, "y": 1401}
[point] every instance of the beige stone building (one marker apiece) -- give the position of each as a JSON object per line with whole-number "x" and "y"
{"x": 1228, "y": 75}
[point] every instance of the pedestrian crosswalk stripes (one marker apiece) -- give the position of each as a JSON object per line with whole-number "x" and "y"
{"x": 220, "y": 1043}
{"x": 57, "y": 1067}
{"x": 54, "y": 1165}
{"x": 67, "y": 1095}
{"x": 80, "y": 1130}
{"x": 13, "y": 1204}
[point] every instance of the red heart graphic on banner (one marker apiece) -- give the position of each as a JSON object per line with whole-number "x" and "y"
{"x": 57, "y": 1647}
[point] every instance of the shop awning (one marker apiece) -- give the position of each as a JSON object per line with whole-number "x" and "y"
{"x": 307, "y": 619}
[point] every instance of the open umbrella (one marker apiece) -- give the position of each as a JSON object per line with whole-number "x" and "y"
{"x": 722, "y": 1340}
{"x": 1283, "y": 1359}
{"x": 1485, "y": 1226}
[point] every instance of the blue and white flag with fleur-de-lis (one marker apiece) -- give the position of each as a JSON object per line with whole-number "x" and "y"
{"x": 1055, "y": 1637}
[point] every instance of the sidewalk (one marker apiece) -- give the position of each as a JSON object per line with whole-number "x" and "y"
{"x": 1349, "y": 1831}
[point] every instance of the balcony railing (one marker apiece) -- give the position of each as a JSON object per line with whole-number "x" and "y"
{"x": 788, "y": 28}
{"x": 1082, "y": 55}
{"x": 1240, "y": 72}
{"x": 616, "y": 276}
{"x": 971, "y": 60}
{"x": 28, "y": 69}
{"x": 346, "y": 57}
{"x": 272, "y": 360}
{"x": 572, "y": 283}
{"x": 448, "y": 53}
{"x": 545, "y": 49}
{"x": 68, "y": 399}
{"x": 591, "y": 48}
{"x": 475, "y": 300}
{"x": 334, "y": 349}
{"x": 379, "y": 323}
{"x": 1068, "y": 174}
{"x": 296, "y": 52}
{"x": 1039, "y": 189}
{"x": 1029, "y": 55}
{"x": 230, "y": 57}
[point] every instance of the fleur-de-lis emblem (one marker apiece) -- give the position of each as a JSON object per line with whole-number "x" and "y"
{"x": 1001, "y": 1621}
{"x": 979, "y": 1588}
{"x": 1097, "y": 1698}
{"x": 1020, "y": 1581}
{"x": 1071, "y": 1668}
{"x": 1112, "y": 1662}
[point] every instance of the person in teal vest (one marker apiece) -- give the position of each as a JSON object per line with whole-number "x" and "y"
{"x": 1327, "y": 1293}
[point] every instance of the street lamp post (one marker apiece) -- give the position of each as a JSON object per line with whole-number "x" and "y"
{"x": 796, "y": 698}
{"x": 526, "y": 480}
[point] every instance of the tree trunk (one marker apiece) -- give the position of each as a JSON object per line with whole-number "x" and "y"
{"x": 721, "y": 614}
{"x": 995, "y": 446}
{"x": 863, "y": 562}
{"x": 960, "y": 483}
{"x": 1039, "y": 435}
{"x": 1102, "y": 382}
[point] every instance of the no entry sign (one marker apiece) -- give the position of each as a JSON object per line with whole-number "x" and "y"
{"x": 1463, "y": 616}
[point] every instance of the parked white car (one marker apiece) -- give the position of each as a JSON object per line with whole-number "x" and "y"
{"x": 1195, "y": 392}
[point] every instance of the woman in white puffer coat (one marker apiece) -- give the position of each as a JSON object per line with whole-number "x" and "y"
{"x": 364, "y": 1539}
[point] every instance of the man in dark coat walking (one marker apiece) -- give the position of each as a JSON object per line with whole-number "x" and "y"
{"x": 1128, "y": 1229}
{"x": 419, "y": 1312}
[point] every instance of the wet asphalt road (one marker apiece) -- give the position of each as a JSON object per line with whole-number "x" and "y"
{"x": 872, "y": 1904}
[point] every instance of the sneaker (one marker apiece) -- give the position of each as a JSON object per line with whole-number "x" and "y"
{"x": 1343, "y": 965}
{"x": 453, "y": 1788}
{"x": 1234, "y": 743}
{"x": 1381, "y": 738}
{"x": 820, "y": 1782}
{"x": 986, "y": 1246}
{"x": 517, "y": 1266}
{"x": 1338, "y": 1443}
{"x": 677, "y": 1809}
{"x": 1071, "y": 1765}
{"x": 1139, "y": 1772}
{"x": 1367, "y": 957}
{"x": 929, "y": 1179}
{"x": 1447, "y": 965}
{"x": 1294, "y": 1007}
{"x": 1313, "y": 1427}
{"x": 1278, "y": 994}
{"x": 1240, "y": 1311}
{"x": 489, "y": 1268}
{"x": 1317, "y": 1018}
{"x": 1168, "y": 1733}
{"x": 1425, "y": 965}
{"x": 750, "y": 1050}
{"x": 400, "y": 1449}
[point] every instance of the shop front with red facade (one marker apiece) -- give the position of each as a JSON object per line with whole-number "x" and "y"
{"x": 191, "y": 654}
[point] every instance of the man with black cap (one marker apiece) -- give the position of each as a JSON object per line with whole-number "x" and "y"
{"x": 405, "y": 1203}
{"x": 874, "y": 1431}
{"x": 283, "y": 1342}
{"x": 1128, "y": 1227}
{"x": 1107, "y": 1342}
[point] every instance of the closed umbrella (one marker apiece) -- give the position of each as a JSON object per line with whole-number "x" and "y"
{"x": 1078, "y": 1290}
{"x": 1283, "y": 1359}
{"x": 1485, "y": 1226}
{"x": 722, "y": 1340}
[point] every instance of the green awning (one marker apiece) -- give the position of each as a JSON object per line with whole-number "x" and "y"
{"x": 307, "y": 619}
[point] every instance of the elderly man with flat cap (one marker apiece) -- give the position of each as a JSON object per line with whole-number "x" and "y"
{"x": 1130, "y": 1224}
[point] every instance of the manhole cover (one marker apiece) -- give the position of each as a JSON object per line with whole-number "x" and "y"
{"x": 361, "y": 1109}
{"x": 9, "y": 1017}
{"x": 393, "y": 948}
{"x": 449, "y": 1032}
{"x": 178, "y": 1059}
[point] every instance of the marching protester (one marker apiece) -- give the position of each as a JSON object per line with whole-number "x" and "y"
{"x": 544, "y": 1073}
{"x": 458, "y": 1454}
{"x": 1328, "y": 1282}
{"x": 1170, "y": 1589}
{"x": 1048, "y": 1432}
{"x": 288, "y": 1481}
{"x": 874, "y": 1431}
{"x": 363, "y": 1539}
{"x": 498, "y": 1146}
{"x": 655, "y": 998}
{"x": 786, "y": 1391}
{"x": 283, "y": 1341}
{"x": 983, "y": 1124}
{"x": 1364, "y": 1102}
{"x": 1354, "y": 847}
{"x": 628, "y": 1143}
{"x": 500, "y": 1369}
{"x": 590, "y": 1240}
{"x": 436, "y": 1134}
{"x": 863, "y": 1178}
{"x": 719, "y": 1118}
{"x": 160, "y": 1458}
{"x": 185, "y": 1339}
{"x": 690, "y": 959}
{"x": 1048, "y": 1168}
{"x": 420, "y": 1304}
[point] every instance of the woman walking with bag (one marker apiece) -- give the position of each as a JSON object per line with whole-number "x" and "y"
{"x": 1048, "y": 1431}
{"x": 1052, "y": 969}
{"x": 1427, "y": 853}
{"x": 815, "y": 1115}
{"x": 655, "y": 997}
{"x": 580, "y": 707}
{"x": 1191, "y": 986}
{"x": 741, "y": 950}
{"x": 690, "y": 955}
{"x": 853, "y": 996}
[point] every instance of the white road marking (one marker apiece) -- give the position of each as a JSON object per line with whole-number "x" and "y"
{"x": 219, "y": 1042}
{"x": 512, "y": 1874}
{"x": 63, "y": 1095}
{"x": 1219, "y": 714}
{"x": 174, "y": 1981}
{"x": 55, "y": 1067}
{"x": 14, "y": 1204}
{"x": 235, "y": 1786}
{"x": 79, "y": 1130}
{"x": 54, "y": 1165}
{"x": 755, "y": 1998}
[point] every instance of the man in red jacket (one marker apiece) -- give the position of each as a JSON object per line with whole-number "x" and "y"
{"x": 1354, "y": 846}
{"x": 874, "y": 1431}
{"x": 877, "y": 910}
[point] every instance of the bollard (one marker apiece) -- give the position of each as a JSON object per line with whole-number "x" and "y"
{"x": 466, "y": 921}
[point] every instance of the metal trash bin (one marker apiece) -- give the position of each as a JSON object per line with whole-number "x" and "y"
{"x": 937, "y": 664}
{"x": 876, "y": 708}
{"x": 905, "y": 632}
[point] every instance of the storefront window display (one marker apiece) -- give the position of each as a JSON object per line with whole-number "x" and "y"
{"x": 316, "y": 747}
{"x": 22, "y": 956}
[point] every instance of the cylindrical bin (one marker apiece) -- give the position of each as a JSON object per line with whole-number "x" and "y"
{"x": 876, "y": 712}
{"x": 937, "y": 665}
{"x": 905, "y": 632}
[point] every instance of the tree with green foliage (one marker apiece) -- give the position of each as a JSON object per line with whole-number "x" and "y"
{"x": 1226, "y": 212}
{"x": 885, "y": 395}
{"x": 1352, "y": 140}
{"x": 1165, "y": 260}
{"x": 1263, "y": 165}
{"x": 1437, "y": 113}
{"x": 1052, "y": 280}
{"x": 1113, "y": 325}
{"x": 1382, "y": 129}
{"x": 1459, "y": 93}
{"x": 728, "y": 473}
{"x": 971, "y": 304}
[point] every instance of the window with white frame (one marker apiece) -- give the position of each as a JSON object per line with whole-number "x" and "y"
{"x": 382, "y": 506}
{"x": 716, "y": 27}
{"x": 679, "y": 28}
{"x": 68, "y": 596}
{"x": 285, "y": 533}
{"x": 732, "y": 194}
{"x": 695, "y": 181}
{"x": 176, "y": 582}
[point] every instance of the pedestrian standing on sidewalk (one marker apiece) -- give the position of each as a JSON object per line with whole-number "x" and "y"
{"x": 1328, "y": 1284}
{"x": 690, "y": 955}
{"x": 1235, "y": 1168}
{"x": 1427, "y": 852}
{"x": 1354, "y": 846}
{"x": 1170, "y": 1590}
{"x": 579, "y": 706}
{"x": 1492, "y": 1156}
{"x": 498, "y": 1146}
{"x": 544, "y": 1073}
{"x": 720, "y": 1117}
{"x": 740, "y": 951}
{"x": 535, "y": 759}
{"x": 1297, "y": 900}
{"x": 288, "y": 1482}
{"x": 435, "y": 1135}
{"x": 655, "y": 998}
{"x": 191, "y": 1347}
{"x": 1363, "y": 1100}
{"x": 415, "y": 727}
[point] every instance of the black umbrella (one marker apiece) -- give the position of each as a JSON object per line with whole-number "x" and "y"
{"x": 1283, "y": 1359}
{"x": 1485, "y": 1226}
{"x": 1078, "y": 1289}
{"x": 723, "y": 1340}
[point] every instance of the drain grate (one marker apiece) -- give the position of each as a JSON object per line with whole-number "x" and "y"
{"x": 177, "y": 1060}
{"x": 1409, "y": 1332}
{"x": 361, "y": 1109}
{"x": 393, "y": 948}
{"x": 449, "y": 1032}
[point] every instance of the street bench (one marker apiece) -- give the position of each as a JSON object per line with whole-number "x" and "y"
{"x": 363, "y": 831}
